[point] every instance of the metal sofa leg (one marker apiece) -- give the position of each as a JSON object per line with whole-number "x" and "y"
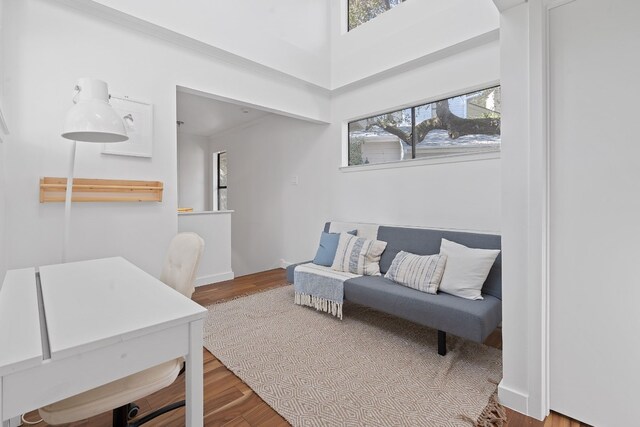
{"x": 442, "y": 343}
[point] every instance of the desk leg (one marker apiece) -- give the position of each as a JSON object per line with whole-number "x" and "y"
{"x": 194, "y": 377}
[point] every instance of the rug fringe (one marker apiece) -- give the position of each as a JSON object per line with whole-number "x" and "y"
{"x": 320, "y": 304}
{"x": 493, "y": 415}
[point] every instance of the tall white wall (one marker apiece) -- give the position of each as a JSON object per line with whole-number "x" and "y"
{"x": 3, "y": 169}
{"x": 3, "y": 213}
{"x": 287, "y": 35}
{"x": 594, "y": 209}
{"x": 194, "y": 172}
{"x": 516, "y": 390}
{"x": 412, "y": 31}
{"x": 462, "y": 195}
{"x": 51, "y": 46}
{"x": 308, "y": 39}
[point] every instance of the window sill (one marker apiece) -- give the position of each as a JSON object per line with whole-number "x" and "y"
{"x": 435, "y": 160}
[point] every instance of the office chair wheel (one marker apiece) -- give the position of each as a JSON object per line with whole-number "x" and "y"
{"x": 132, "y": 411}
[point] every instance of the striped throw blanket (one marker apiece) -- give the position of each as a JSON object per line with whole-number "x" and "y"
{"x": 320, "y": 287}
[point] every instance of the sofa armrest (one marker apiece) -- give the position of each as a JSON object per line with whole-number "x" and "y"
{"x": 291, "y": 268}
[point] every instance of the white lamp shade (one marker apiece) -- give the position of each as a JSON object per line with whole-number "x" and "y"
{"x": 93, "y": 119}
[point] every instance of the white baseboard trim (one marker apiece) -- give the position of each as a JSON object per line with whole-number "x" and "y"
{"x": 214, "y": 278}
{"x": 284, "y": 264}
{"x": 513, "y": 399}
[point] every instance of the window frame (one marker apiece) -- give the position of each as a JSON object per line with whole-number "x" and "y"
{"x": 348, "y": 2}
{"x": 218, "y": 180}
{"x": 413, "y": 107}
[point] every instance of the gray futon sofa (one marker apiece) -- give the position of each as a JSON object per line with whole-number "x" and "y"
{"x": 470, "y": 319}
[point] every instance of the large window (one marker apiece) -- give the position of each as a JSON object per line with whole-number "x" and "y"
{"x": 361, "y": 11}
{"x": 222, "y": 181}
{"x": 463, "y": 124}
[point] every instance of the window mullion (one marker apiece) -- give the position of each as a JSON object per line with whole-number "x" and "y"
{"x": 413, "y": 133}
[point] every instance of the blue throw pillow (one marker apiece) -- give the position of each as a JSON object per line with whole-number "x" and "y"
{"x": 327, "y": 249}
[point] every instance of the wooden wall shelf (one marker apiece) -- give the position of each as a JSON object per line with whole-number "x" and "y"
{"x": 100, "y": 190}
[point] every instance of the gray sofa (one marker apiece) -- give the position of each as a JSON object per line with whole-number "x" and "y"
{"x": 473, "y": 320}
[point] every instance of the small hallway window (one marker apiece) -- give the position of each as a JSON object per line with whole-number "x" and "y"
{"x": 220, "y": 196}
{"x": 361, "y": 11}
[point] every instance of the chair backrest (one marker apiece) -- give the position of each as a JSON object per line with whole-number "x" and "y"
{"x": 181, "y": 263}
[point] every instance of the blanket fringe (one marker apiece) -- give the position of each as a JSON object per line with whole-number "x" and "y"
{"x": 320, "y": 304}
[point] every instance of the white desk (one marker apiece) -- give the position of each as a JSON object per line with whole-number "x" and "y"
{"x": 97, "y": 321}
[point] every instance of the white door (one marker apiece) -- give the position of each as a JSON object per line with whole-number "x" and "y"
{"x": 595, "y": 211}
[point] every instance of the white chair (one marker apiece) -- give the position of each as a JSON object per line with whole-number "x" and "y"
{"x": 179, "y": 272}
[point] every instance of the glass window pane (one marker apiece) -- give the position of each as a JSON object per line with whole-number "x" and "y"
{"x": 379, "y": 139}
{"x": 222, "y": 169}
{"x": 463, "y": 124}
{"x": 222, "y": 199}
{"x": 361, "y": 11}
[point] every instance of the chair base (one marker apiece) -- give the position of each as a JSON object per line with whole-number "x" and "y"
{"x": 121, "y": 415}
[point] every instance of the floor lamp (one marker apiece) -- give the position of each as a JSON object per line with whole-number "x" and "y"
{"x": 91, "y": 119}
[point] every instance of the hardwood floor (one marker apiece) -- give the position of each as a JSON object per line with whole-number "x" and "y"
{"x": 231, "y": 403}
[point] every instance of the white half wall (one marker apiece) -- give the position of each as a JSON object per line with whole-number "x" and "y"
{"x": 52, "y": 45}
{"x": 215, "y": 230}
{"x": 194, "y": 172}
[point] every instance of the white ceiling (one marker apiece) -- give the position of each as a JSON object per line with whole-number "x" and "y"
{"x": 205, "y": 116}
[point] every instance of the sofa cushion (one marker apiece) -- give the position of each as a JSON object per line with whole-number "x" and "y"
{"x": 327, "y": 248}
{"x": 423, "y": 241}
{"x": 358, "y": 255}
{"x": 473, "y": 320}
{"x": 421, "y": 272}
{"x": 467, "y": 269}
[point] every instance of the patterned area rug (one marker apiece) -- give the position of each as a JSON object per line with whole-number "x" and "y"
{"x": 370, "y": 369}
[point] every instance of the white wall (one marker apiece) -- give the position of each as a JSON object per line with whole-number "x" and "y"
{"x": 3, "y": 169}
{"x": 194, "y": 172}
{"x": 463, "y": 195}
{"x": 288, "y": 35}
{"x": 215, "y": 230}
{"x": 308, "y": 38}
{"x": 52, "y": 45}
{"x": 515, "y": 389}
{"x": 411, "y": 31}
{"x": 594, "y": 208}
{"x": 274, "y": 219}
{"x": 3, "y": 214}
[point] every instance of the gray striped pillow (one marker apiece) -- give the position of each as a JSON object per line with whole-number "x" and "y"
{"x": 418, "y": 272}
{"x": 358, "y": 255}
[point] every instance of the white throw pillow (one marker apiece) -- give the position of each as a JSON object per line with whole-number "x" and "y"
{"x": 358, "y": 255}
{"x": 466, "y": 269}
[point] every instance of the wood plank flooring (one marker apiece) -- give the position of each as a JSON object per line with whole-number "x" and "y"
{"x": 231, "y": 403}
